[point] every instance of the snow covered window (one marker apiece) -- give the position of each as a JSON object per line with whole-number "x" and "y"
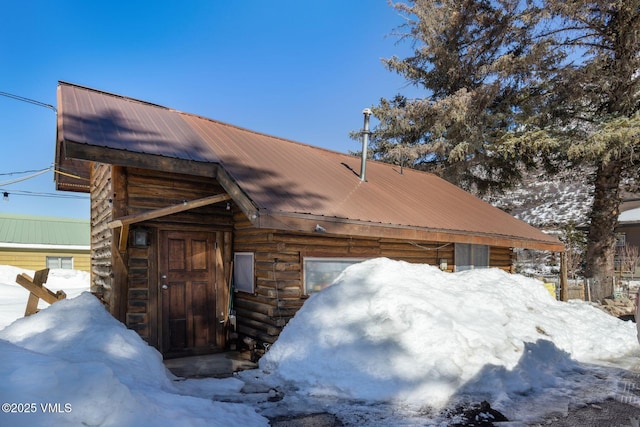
{"x": 319, "y": 273}
{"x": 60, "y": 262}
{"x": 470, "y": 256}
{"x": 243, "y": 279}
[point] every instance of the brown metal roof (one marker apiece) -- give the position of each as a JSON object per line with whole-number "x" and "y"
{"x": 290, "y": 185}
{"x": 120, "y": 123}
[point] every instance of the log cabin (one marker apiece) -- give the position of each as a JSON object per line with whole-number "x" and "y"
{"x": 197, "y": 225}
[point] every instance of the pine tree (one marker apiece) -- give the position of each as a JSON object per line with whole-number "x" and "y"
{"x": 453, "y": 129}
{"x": 510, "y": 85}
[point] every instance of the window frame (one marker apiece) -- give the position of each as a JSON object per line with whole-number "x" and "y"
{"x": 473, "y": 254}
{"x": 59, "y": 259}
{"x": 319, "y": 259}
{"x": 241, "y": 286}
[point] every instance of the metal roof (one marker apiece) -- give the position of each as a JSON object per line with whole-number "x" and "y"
{"x": 35, "y": 230}
{"x": 290, "y": 184}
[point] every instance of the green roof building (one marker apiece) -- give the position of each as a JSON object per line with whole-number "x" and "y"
{"x": 34, "y": 242}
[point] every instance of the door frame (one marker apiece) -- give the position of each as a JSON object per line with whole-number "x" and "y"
{"x": 218, "y": 239}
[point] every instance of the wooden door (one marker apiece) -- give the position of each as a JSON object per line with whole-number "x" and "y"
{"x": 188, "y": 292}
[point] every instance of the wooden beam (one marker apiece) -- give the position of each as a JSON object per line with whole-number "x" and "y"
{"x": 32, "y": 304}
{"x": 114, "y": 156}
{"x": 337, "y": 226}
{"x": 169, "y": 210}
{"x": 564, "y": 280}
{"x": 40, "y": 291}
{"x": 239, "y": 196}
{"x": 40, "y": 277}
{"x": 124, "y": 236}
{"x": 37, "y": 290}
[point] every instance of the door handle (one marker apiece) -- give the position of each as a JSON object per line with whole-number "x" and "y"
{"x": 165, "y": 287}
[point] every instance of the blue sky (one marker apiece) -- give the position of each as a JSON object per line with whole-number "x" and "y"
{"x": 302, "y": 70}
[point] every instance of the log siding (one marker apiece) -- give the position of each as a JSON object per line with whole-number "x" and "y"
{"x": 279, "y": 269}
{"x": 129, "y": 281}
{"x": 101, "y": 234}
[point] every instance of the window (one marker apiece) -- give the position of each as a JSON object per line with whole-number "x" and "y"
{"x": 60, "y": 262}
{"x": 621, "y": 240}
{"x": 243, "y": 272}
{"x": 319, "y": 273}
{"x": 470, "y": 256}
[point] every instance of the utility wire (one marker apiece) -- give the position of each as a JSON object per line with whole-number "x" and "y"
{"x": 38, "y": 172}
{"x": 30, "y": 101}
{"x": 38, "y": 194}
{"x": 23, "y": 172}
{"x": 27, "y": 177}
{"x": 69, "y": 175}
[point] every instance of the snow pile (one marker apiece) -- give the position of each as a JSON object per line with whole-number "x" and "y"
{"x": 392, "y": 331}
{"x": 389, "y": 343}
{"x": 74, "y": 364}
{"x": 13, "y": 297}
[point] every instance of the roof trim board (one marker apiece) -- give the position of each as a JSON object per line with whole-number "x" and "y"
{"x": 340, "y": 226}
{"x": 80, "y": 151}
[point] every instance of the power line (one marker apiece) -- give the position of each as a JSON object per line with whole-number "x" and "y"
{"x": 29, "y": 100}
{"x": 43, "y": 171}
{"x": 23, "y": 172}
{"x": 8, "y": 193}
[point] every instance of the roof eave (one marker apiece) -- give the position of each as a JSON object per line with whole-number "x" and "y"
{"x": 94, "y": 153}
{"x": 307, "y": 223}
{"x": 70, "y": 174}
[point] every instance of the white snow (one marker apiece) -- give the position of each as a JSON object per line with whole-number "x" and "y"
{"x": 547, "y": 203}
{"x": 632, "y": 215}
{"x": 74, "y": 364}
{"x": 13, "y": 297}
{"x": 389, "y": 343}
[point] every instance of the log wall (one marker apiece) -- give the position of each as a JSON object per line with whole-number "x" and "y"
{"x": 128, "y": 281}
{"x": 148, "y": 190}
{"x": 502, "y": 258}
{"x": 279, "y": 257}
{"x": 142, "y": 190}
{"x": 101, "y": 234}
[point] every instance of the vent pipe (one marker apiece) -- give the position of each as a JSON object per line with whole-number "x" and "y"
{"x": 365, "y": 144}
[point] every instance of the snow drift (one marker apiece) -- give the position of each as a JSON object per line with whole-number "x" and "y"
{"x": 386, "y": 344}
{"x": 393, "y": 331}
{"x": 13, "y": 297}
{"x": 86, "y": 368}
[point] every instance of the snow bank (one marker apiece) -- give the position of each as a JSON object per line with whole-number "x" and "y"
{"x": 13, "y": 297}
{"x": 74, "y": 364}
{"x": 393, "y": 331}
{"x": 386, "y": 340}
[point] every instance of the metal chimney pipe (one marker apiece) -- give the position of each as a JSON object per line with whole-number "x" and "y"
{"x": 365, "y": 144}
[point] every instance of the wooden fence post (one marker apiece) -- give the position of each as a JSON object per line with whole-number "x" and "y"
{"x": 37, "y": 290}
{"x": 564, "y": 281}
